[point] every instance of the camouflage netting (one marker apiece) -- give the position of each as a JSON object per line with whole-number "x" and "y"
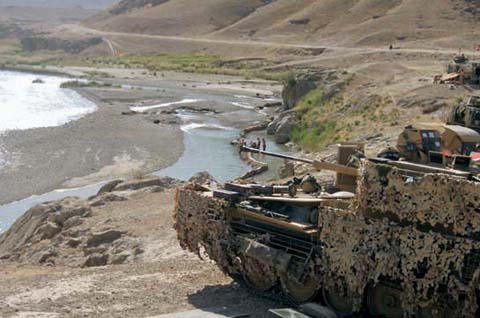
{"x": 201, "y": 225}
{"x": 361, "y": 251}
{"x": 398, "y": 229}
{"x": 435, "y": 200}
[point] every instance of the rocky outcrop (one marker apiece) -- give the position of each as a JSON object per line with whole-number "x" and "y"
{"x": 202, "y": 178}
{"x": 64, "y": 232}
{"x": 165, "y": 182}
{"x": 284, "y": 129}
{"x": 256, "y": 127}
{"x": 56, "y": 44}
{"x": 297, "y": 87}
{"x": 282, "y": 126}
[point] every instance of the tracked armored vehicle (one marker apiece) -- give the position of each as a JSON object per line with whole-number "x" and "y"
{"x": 461, "y": 70}
{"x": 389, "y": 239}
{"x": 466, "y": 114}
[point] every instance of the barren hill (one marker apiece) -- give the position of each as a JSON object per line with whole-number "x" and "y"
{"x": 340, "y": 22}
{"x": 87, "y": 4}
{"x": 177, "y": 17}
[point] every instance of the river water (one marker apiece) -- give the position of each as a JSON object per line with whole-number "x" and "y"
{"x": 205, "y": 136}
{"x": 25, "y": 104}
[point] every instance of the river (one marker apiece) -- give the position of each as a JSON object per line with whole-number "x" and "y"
{"x": 205, "y": 135}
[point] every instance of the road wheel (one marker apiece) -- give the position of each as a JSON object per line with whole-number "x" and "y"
{"x": 257, "y": 276}
{"x": 338, "y": 297}
{"x": 385, "y": 301}
{"x": 299, "y": 290}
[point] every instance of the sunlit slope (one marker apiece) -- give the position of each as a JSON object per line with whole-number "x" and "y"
{"x": 346, "y": 22}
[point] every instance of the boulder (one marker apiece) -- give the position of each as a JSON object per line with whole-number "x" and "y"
{"x": 101, "y": 249}
{"x": 272, "y": 127}
{"x": 109, "y": 186}
{"x": 95, "y": 260}
{"x": 120, "y": 258}
{"x": 69, "y": 208}
{"x": 48, "y": 230}
{"x": 155, "y": 189}
{"x": 108, "y": 236}
{"x": 47, "y": 256}
{"x": 332, "y": 89}
{"x": 72, "y": 222}
{"x": 284, "y": 129}
{"x": 202, "y": 178}
{"x": 165, "y": 182}
{"x": 105, "y": 198}
{"x": 74, "y": 242}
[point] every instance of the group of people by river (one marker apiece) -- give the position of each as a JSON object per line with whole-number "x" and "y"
{"x": 260, "y": 144}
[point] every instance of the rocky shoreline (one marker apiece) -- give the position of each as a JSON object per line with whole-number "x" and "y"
{"x": 61, "y": 232}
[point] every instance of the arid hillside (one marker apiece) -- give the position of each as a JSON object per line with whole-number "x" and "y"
{"x": 446, "y": 23}
{"x": 178, "y": 17}
{"x": 87, "y": 4}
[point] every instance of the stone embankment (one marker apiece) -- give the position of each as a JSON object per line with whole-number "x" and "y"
{"x": 61, "y": 232}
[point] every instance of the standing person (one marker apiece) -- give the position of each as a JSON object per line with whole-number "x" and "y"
{"x": 264, "y": 143}
{"x": 259, "y": 143}
{"x": 241, "y": 143}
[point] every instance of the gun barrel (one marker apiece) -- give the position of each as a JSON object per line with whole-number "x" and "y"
{"x": 341, "y": 169}
{"x": 276, "y": 155}
{"x": 317, "y": 164}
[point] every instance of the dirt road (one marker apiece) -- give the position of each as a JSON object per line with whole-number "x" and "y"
{"x": 356, "y": 50}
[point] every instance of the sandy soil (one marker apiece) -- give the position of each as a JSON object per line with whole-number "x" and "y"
{"x": 164, "y": 279}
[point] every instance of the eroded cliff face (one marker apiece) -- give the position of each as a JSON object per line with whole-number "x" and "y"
{"x": 417, "y": 233}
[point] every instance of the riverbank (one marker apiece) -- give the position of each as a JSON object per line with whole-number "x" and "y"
{"x": 146, "y": 272}
{"x": 108, "y": 144}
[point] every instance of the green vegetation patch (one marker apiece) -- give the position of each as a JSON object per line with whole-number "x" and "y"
{"x": 319, "y": 123}
{"x": 189, "y": 63}
{"x": 79, "y": 84}
{"x": 12, "y": 54}
{"x": 340, "y": 117}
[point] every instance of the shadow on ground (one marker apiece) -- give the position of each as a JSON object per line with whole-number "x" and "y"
{"x": 233, "y": 299}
